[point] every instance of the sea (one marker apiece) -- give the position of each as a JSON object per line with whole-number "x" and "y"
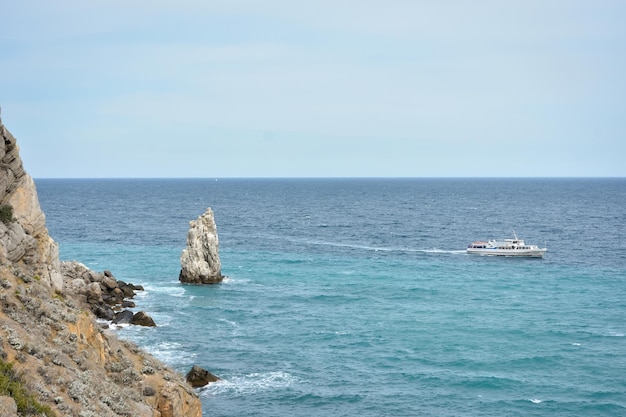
{"x": 356, "y": 297}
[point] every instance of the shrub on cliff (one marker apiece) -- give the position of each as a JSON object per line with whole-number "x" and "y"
{"x": 13, "y": 386}
{"x": 6, "y": 213}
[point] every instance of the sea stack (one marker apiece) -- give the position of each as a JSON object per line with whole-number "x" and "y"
{"x": 200, "y": 260}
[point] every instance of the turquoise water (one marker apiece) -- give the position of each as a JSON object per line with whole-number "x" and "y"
{"x": 356, "y": 297}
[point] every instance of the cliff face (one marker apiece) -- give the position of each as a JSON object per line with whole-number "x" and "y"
{"x": 24, "y": 242}
{"x": 48, "y": 333}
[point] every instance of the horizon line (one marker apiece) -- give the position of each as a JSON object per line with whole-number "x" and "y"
{"x": 328, "y": 177}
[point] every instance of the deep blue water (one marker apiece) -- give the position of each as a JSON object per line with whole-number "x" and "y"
{"x": 354, "y": 297}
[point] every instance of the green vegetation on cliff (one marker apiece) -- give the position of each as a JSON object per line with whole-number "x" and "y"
{"x": 11, "y": 385}
{"x": 6, "y": 213}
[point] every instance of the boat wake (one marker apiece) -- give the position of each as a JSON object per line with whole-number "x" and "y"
{"x": 435, "y": 250}
{"x": 371, "y": 248}
{"x": 355, "y": 246}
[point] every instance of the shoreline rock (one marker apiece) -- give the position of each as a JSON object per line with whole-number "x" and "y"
{"x": 200, "y": 260}
{"x": 49, "y": 334}
{"x": 199, "y": 377}
{"x": 105, "y": 295}
{"x": 142, "y": 319}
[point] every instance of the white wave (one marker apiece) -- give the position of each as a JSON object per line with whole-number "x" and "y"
{"x": 233, "y": 325}
{"x": 173, "y": 291}
{"x": 535, "y": 401}
{"x": 616, "y": 334}
{"x": 233, "y": 280}
{"x": 250, "y": 384}
{"x": 142, "y": 295}
{"x": 169, "y": 352}
{"x": 162, "y": 319}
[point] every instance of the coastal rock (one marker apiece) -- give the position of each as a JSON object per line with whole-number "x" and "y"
{"x": 200, "y": 260}
{"x": 172, "y": 402}
{"x": 198, "y": 377}
{"x": 59, "y": 353}
{"x": 100, "y": 290}
{"x": 143, "y": 319}
{"x": 123, "y": 317}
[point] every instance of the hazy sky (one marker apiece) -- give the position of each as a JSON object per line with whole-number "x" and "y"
{"x": 284, "y": 88}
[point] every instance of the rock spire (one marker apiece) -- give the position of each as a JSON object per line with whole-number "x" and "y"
{"x": 200, "y": 260}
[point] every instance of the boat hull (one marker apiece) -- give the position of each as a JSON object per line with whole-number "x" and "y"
{"x": 525, "y": 253}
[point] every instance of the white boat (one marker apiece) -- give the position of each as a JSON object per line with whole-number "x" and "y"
{"x": 506, "y": 247}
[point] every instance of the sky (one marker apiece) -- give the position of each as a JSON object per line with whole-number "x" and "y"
{"x": 342, "y": 88}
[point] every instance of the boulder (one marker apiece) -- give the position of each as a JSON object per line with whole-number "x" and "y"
{"x": 123, "y": 317}
{"x": 109, "y": 283}
{"x": 200, "y": 260}
{"x": 8, "y": 408}
{"x": 198, "y": 377}
{"x": 142, "y": 319}
{"x": 93, "y": 293}
{"x": 103, "y": 311}
{"x": 127, "y": 289}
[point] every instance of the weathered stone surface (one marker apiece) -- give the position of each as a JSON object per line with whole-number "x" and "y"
{"x": 24, "y": 240}
{"x": 127, "y": 289}
{"x": 171, "y": 403}
{"x": 8, "y": 408}
{"x": 198, "y": 377}
{"x": 123, "y": 317}
{"x": 143, "y": 319}
{"x": 200, "y": 260}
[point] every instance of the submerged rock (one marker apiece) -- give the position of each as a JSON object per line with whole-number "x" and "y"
{"x": 200, "y": 260}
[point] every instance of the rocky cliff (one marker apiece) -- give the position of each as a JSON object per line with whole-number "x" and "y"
{"x": 51, "y": 346}
{"x": 24, "y": 239}
{"x": 200, "y": 260}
